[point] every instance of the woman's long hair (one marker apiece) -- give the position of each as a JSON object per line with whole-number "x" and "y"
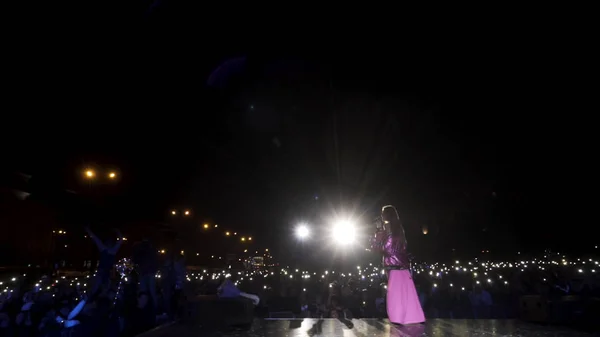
{"x": 391, "y": 221}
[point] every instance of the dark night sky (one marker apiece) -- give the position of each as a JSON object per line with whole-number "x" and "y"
{"x": 436, "y": 128}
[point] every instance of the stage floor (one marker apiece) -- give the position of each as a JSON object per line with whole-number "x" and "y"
{"x": 372, "y": 328}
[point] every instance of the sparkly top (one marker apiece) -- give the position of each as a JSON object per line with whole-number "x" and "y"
{"x": 393, "y": 250}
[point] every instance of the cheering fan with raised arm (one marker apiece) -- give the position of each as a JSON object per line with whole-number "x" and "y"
{"x": 108, "y": 251}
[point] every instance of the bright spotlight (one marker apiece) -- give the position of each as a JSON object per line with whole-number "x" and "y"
{"x": 344, "y": 232}
{"x": 302, "y": 232}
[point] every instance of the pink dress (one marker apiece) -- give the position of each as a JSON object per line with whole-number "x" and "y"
{"x": 403, "y": 306}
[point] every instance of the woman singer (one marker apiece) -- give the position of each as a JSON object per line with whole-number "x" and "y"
{"x": 403, "y": 306}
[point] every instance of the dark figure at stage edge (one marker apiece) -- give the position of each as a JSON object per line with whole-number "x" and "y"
{"x": 403, "y": 306}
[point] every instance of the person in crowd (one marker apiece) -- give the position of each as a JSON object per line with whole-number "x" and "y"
{"x": 146, "y": 260}
{"x": 179, "y": 272}
{"x": 108, "y": 252}
{"x": 142, "y": 316}
{"x": 228, "y": 289}
{"x": 481, "y": 302}
{"x": 403, "y": 306}
{"x": 167, "y": 282}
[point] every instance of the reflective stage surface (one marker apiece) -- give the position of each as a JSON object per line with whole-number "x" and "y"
{"x": 373, "y": 328}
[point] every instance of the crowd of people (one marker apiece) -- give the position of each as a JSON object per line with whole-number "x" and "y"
{"x": 473, "y": 289}
{"x": 132, "y": 295}
{"x": 121, "y": 298}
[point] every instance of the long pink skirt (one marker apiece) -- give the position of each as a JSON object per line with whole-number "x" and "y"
{"x": 403, "y": 306}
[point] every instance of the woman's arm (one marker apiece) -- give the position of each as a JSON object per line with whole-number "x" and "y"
{"x": 378, "y": 241}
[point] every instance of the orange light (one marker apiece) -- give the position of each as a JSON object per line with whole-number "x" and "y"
{"x": 90, "y": 174}
{"x": 227, "y": 233}
{"x": 206, "y": 226}
{"x": 112, "y": 175}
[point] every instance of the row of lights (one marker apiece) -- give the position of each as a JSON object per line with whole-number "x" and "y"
{"x": 343, "y": 232}
{"x": 91, "y": 174}
{"x": 185, "y": 212}
{"x": 63, "y": 232}
{"x": 206, "y": 226}
{"x": 164, "y": 251}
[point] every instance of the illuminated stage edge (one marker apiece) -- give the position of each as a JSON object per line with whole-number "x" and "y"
{"x": 311, "y": 327}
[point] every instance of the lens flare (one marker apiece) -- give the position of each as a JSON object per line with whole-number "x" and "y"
{"x": 302, "y": 232}
{"x": 344, "y": 232}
